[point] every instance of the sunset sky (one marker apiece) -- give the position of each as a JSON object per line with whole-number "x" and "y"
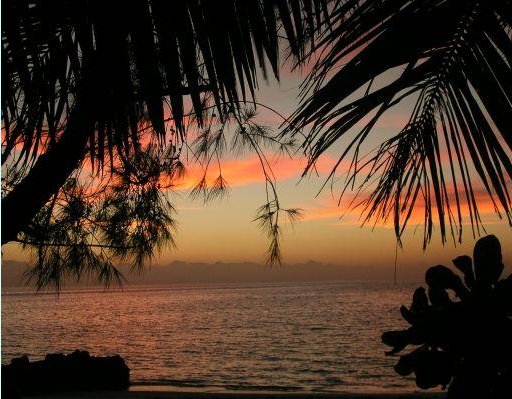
{"x": 223, "y": 231}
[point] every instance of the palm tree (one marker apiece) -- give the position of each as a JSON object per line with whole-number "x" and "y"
{"x": 454, "y": 60}
{"x": 84, "y": 76}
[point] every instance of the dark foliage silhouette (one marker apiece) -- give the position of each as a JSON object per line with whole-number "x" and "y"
{"x": 464, "y": 338}
{"x": 89, "y": 83}
{"x": 96, "y": 221}
{"x": 450, "y": 63}
{"x": 86, "y": 77}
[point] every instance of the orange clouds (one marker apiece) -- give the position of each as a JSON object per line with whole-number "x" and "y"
{"x": 328, "y": 208}
{"x": 240, "y": 172}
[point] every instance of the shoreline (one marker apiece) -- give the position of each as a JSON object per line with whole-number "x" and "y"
{"x": 144, "y": 392}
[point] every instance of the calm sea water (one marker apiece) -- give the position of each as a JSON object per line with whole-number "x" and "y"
{"x": 293, "y": 337}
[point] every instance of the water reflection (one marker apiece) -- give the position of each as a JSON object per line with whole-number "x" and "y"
{"x": 299, "y": 337}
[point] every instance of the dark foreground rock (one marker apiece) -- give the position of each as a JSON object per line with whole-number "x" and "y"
{"x": 77, "y": 371}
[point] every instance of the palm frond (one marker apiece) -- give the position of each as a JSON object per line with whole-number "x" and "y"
{"x": 139, "y": 62}
{"x": 453, "y": 60}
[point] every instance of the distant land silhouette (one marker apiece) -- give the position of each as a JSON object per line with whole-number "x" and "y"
{"x": 179, "y": 272}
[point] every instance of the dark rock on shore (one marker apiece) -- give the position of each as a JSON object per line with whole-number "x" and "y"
{"x": 77, "y": 371}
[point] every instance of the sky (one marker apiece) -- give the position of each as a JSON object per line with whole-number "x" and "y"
{"x": 223, "y": 230}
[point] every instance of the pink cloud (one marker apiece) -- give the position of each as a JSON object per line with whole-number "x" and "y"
{"x": 328, "y": 208}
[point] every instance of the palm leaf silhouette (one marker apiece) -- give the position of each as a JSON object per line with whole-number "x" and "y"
{"x": 81, "y": 75}
{"x": 138, "y": 58}
{"x": 453, "y": 59}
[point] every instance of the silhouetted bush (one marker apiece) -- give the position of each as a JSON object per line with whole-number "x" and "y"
{"x": 462, "y": 328}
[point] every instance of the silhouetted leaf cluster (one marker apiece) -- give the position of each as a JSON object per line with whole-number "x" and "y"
{"x": 122, "y": 213}
{"x": 463, "y": 338}
{"x": 93, "y": 224}
{"x": 248, "y": 136}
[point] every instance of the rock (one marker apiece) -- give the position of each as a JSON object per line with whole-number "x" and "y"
{"x": 9, "y": 391}
{"x": 77, "y": 371}
{"x": 20, "y": 361}
{"x": 54, "y": 357}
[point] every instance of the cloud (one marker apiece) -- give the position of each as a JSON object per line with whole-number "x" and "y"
{"x": 329, "y": 209}
{"x": 244, "y": 171}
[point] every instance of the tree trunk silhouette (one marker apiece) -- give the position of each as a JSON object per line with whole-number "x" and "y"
{"x": 48, "y": 174}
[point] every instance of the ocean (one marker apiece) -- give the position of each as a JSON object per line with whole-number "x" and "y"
{"x": 304, "y": 337}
